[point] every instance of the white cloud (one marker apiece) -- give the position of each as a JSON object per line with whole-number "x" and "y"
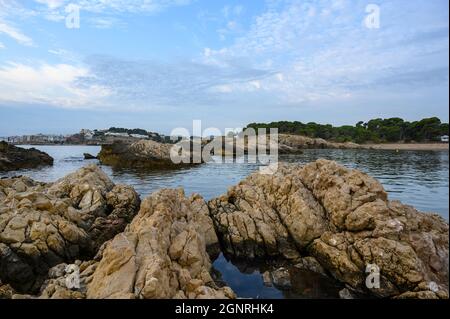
{"x": 15, "y": 33}
{"x": 49, "y": 84}
{"x": 52, "y": 4}
{"x": 118, "y": 6}
{"x": 321, "y": 50}
{"x": 105, "y": 22}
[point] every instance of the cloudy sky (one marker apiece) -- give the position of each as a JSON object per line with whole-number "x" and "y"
{"x": 159, "y": 64}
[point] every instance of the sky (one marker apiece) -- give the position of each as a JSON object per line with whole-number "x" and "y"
{"x": 160, "y": 64}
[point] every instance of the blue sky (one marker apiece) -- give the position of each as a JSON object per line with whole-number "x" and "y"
{"x": 159, "y": 64}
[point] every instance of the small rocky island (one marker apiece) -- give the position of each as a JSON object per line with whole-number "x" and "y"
{"x": 156, "y": 155}
{"x": 145, "y": 154}
{"x": 321, "y": 217}
{"x": 14, "y": 158}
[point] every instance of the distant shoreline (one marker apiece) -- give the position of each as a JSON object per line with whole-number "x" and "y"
{"x": 409, "y": 146}
{"x": 379, "y": 146}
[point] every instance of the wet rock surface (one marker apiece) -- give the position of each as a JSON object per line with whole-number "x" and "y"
{"x": 14, "y": 158}
{"x": 42, "y": 225}
{"x": 341, "y": 217}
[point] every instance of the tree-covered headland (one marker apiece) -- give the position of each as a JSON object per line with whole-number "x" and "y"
{"x": 376, "y": 130}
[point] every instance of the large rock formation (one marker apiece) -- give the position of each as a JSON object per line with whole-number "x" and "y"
{"x": 293, "y": 143}
{"x": 14, "y": 158}
{"x": 161, "y": 254}
{"x": 341, "y": 217}
{"x": 140, "y": 154}
{"x": 320, "y": 217}
{"x": 286, "y": 144}
{"x": 42, "y": 225}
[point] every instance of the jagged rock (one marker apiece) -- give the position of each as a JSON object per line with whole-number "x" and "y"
{"x": 68, "y": 281}
{"x": 88, "y": 156}
{"x": 6, "y": 291}
{"x": 140, "y": 154}
{"x": 161, "y": 254}
{"x": 341, "y": 217}
{"x": 14, "y": 158}
{"x": 268, "y": 216}
{"x": 42, "y": 225}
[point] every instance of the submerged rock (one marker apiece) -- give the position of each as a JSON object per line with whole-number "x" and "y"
{"x": 344, "y": 219}
{"x": 15, "y": 158}
{"x": 281, "y": 278}
{"x": 42, "y": 225}
{"x": 161, "y": 254}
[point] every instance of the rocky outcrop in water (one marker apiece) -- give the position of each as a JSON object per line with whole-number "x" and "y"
{"x": 294, "y": 143}
{"x": 15, "y": 158}
{"x": 344, "y": 219}
{"x": 321, "y": 218}
{"x": 140, "y": 154}
{"x": 161, "y": 254}
{"x": 88, "y": 156}
{"x": 42, "y": 225}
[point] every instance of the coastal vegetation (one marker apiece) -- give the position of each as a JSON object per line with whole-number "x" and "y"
{"x": 375, "y": 131}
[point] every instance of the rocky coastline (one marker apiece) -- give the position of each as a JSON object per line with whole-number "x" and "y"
{"x": 154, "y": 155}
{"x": 320, "y": 217}
{"x": 143, "y": 154}
{"x": 14, "y": 158}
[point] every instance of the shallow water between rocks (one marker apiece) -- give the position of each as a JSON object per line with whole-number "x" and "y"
{"x": 417, "y": 178}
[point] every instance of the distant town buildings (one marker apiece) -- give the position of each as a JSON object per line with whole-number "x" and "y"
{"x": 35, "y": 139}
{"x": 90, "y": 137}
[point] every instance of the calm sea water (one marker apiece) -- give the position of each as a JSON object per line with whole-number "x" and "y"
{"x": 417, "y": 178}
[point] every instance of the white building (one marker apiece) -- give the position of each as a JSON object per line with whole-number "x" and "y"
{"x": 139, "y": 136}
{"x": 88, "y": 134}
{"x": 444, "y": 138}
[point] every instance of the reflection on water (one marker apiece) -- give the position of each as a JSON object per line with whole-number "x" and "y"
{"x": 247, "y": 280}
{"x": 418, "y": 178}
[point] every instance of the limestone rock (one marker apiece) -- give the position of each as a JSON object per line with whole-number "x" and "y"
{"x": 161, "y": 254}
{"x": 268, "y": 216}
{"x": 14, "y": 158}
{"x": 344, "y": 219}
{"x": 42, "y": 225}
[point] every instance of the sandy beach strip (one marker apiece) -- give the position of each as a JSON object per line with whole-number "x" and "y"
{"x": 410, "y": 147}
